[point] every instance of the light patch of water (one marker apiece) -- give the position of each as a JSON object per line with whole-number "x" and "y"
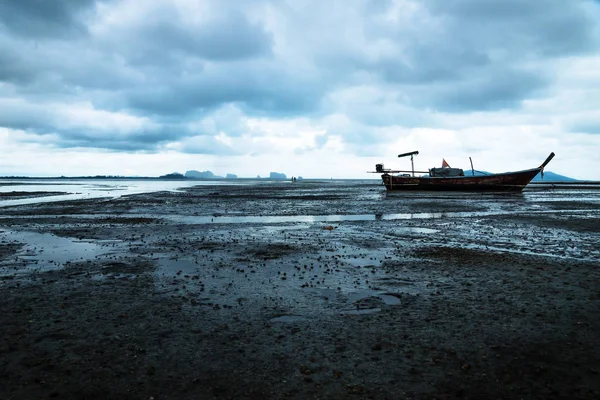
{"x": 289, "y": 319}
{"x": 78, "y": 189}
{"x": 104, "y": 277}
{"x": 359, "y": 295}
{"x": 389, "y": 300}
{"x": 361, "y": 311}
{"x": 572, "y": 253}
{"x": 312, "y": 219}
{"x": 415, "y": 229}
{"x": 44, "y": 252}
{"x": 387, "y": 285}
{"x": 278, "y": 219}
{"x": 324, "y": 293}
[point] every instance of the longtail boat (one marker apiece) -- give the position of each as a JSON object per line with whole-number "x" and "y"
{"x": 454, "y": 179}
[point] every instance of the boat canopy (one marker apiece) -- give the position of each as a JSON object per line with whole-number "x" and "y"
{"x": 446, "y": 172}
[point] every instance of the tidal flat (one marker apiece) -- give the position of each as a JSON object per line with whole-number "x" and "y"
{"x": 314, "y": 289}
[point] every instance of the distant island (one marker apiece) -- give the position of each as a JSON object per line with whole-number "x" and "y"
{"x": 209, "y": 175}
{"x": 277, "y": 175}
{"x": 174, "y": 175}
{"x": 552, "y": 177}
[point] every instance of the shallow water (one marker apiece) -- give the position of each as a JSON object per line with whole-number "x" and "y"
{"x": 289, "y": 319}
{"x": 77, "y": 189}
{"x": 187, "y": 219}
{"x": 45, "y": 252}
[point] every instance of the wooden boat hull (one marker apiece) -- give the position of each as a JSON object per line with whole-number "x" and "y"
{"x": 505, "y": 182}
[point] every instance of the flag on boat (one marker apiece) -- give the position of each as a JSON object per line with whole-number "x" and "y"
{"x": 445, "y": 164}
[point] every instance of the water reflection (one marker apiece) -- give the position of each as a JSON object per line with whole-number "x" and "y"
{"x": 277, "y": 219}
{"x": 89, "y": 189}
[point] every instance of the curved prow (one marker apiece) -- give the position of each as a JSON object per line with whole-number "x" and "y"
{"x": 550, "y": 157}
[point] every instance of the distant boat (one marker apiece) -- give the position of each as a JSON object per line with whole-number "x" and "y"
{"x": 454, "y": 179}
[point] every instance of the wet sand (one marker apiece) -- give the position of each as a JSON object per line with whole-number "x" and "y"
{"x": 306, "y": 290}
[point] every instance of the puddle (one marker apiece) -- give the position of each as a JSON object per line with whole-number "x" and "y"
{"x": 573, "y": 253}
{"x": 387, "y": 299}
{"x": 186, "y": 219}
{"x": 289, "y": 319}
{"x": 91, "y": 188}
{"x": 45, "y": 252}
{"x": 410, "y": 229}
{"x": 260, "y": 219}
{"x": 361, "y": 311}
{"x": 325, "y": 294}
{"x": 104, "y": 277}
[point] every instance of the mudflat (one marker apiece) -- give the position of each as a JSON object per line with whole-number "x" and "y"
{"x": 333, "y": 290}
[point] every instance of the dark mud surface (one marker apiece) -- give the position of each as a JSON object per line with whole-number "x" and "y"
{"x": 310, "y": 290}
{"x": 24, "y": 195}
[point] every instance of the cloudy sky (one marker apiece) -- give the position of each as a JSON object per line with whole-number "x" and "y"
{"x": 309, "y": 88}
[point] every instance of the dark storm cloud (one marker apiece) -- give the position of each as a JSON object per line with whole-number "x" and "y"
{"x": 152, "y": 61}
{"x": 142, "y": 139}
{"x": 12, "y": 67}
{"x": 229, "y": 36}
{"x": 163, "y": 43}
{"x": 458, "y": 57}
{"x": 258, "y": 88}
{"x": 158, "y": 46}
{"x": 59, "y": 70}
{"x": 478, "y": 55}
{"x": 548, "y": 27}
{"x": 42, "y": 119}
{"x": 24, "y": 116}
{"x": 44, "y": 18}
{"x": 505, "y": 89}
{"x": 432, "y": 63}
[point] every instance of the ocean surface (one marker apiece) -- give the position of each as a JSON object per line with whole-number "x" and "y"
{"x": 76, "y": 189}
{"x": 32, "y": 191}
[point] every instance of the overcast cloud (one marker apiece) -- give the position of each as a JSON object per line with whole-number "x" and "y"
{"x": 304, "y": 87}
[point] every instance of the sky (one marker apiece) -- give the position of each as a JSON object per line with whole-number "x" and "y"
{"x": 308, "y": 88}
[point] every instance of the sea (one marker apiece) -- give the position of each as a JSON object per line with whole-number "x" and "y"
{"x": 31, "y": 191}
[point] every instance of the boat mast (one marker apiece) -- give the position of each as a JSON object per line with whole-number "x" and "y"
{"x": 411, "y": 154}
